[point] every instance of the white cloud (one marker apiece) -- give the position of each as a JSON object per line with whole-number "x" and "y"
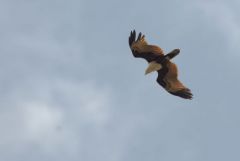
{"x": 91, "y": 102}
{"x": 41, "y": 121}
{"x": 56, "y": 123}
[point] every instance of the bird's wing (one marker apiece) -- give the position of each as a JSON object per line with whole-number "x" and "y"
{"x": 141, "y": 49}
{"x": 168, "y": 78}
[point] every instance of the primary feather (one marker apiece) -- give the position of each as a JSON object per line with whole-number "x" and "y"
{"x": 141, "y": 49}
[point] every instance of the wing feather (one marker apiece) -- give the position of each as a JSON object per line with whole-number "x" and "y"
{"x": 141, "y": 49}
{"x": 169, "y": 80}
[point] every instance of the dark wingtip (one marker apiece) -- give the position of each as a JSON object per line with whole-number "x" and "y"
{"x": 132, "y": 37}
{"x": 184, "y": 93}
{"x": 139, "y": 36}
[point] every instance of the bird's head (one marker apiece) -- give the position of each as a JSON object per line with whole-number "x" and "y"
{"x": 153, "y": 66}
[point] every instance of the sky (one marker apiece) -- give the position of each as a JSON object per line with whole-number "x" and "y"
{"x": 71, "y": 89}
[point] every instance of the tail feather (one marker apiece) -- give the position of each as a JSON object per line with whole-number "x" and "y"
{"x": 172, "y": 54}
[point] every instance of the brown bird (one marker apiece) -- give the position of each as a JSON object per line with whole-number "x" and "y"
{"x": 167, "y": 71}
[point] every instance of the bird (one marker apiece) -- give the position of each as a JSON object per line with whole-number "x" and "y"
{"x": 161, "y": 63}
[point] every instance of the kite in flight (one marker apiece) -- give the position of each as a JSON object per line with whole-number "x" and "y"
{"x": 167, "y": 71}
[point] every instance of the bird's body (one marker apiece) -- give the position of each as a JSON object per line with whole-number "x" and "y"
{"x": 167, "y": 71}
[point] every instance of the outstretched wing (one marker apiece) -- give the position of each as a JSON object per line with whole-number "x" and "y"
{"x": 141, "y": 49}
{"x": 168, "y": 79}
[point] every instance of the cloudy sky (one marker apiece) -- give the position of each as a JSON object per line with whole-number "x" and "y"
{"x": 71, "y": 90}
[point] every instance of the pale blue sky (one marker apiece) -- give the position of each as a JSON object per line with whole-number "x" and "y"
{"x": 71, "y": 89}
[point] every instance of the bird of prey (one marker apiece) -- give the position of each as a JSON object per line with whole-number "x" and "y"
{"x": 158, "y": 61}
